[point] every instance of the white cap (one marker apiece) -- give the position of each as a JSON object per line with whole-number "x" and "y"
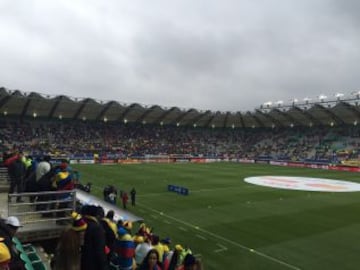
{"x": 13, "y": 221}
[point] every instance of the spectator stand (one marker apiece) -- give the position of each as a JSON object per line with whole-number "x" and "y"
{"x": 4, "y": 188}
{"x": 42, "y": 219}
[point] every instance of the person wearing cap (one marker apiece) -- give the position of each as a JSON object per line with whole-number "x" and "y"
{"x": 93, "y": 255}
{"x": 145, "y": 231}
{"x": 13, "y": 223}
{"x": 128, "y": 226}
{"x": 68, "y": 251}
{"x": 79, "y": 225}
{"x": 8, "y": 229}
{"x": 63, "y": 179}
{"x": 124, "y": 247}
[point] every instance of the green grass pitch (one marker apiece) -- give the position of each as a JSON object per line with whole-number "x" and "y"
{"x": 235, "y": 225}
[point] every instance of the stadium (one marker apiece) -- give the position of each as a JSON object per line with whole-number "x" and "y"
{"x": 273, "y": 188}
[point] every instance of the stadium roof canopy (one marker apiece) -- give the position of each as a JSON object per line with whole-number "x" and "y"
{"x": 18, "y": 104}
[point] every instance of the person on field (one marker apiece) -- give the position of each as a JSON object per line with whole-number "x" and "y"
{"x": 133, "y": 196}
{"x": 124, "y": 199}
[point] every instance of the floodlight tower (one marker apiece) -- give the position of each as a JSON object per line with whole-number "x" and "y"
{"x": 339, "y": 96}
{"x": 322, "y": 97}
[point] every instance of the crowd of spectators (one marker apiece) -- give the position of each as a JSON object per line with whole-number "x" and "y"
{"x": 27, "y": 174}
{"x": 97, "y": 241}
{"x": 119, "y": 140}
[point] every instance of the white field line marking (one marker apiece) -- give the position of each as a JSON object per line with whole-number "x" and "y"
{"x": 223, "y": 188}
{"x": 166, "y": 221}
{"x": 290, "y": 266}
{"x": 154, "y": 217}
{"x": 198, "y": 255}
{"x": 152, "y": 194}
{"x": 182, "y": 229}
{"x": 97, "y": 187}
{"x": 192, "y": 191}
{"x": 221, "y": 249}
{"x": 261, "y": 254}
{"x": 201, "y": 237}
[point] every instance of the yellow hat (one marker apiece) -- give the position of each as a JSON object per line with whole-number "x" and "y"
{"x": 79, "y": 223}
{"x": 4, "y": 253}
{"x": 128, "y": 225}
{"x": 138, "y": 239}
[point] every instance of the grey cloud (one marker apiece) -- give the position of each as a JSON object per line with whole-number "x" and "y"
{"x": 232, "y": 55}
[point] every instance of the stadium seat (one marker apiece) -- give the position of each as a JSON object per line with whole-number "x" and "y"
{"x": 39, "y": 266}
{"x": 16, "y": 240}
{"x": 28, "y": 266}
{"x": 32, "y": 265}
{"x": 113, "y": 266}
{"x": 27, "y": 248}
{"x": 33, "y": 256}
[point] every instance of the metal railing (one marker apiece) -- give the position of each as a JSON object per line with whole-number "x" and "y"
{"x": 4, "y": 176}
{"x": 39, "y": 207}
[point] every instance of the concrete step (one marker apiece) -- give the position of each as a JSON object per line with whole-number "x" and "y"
{"x": 4, "y": 187}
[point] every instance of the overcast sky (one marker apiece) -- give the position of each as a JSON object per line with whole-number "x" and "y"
{"x": 228, "y": 55}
